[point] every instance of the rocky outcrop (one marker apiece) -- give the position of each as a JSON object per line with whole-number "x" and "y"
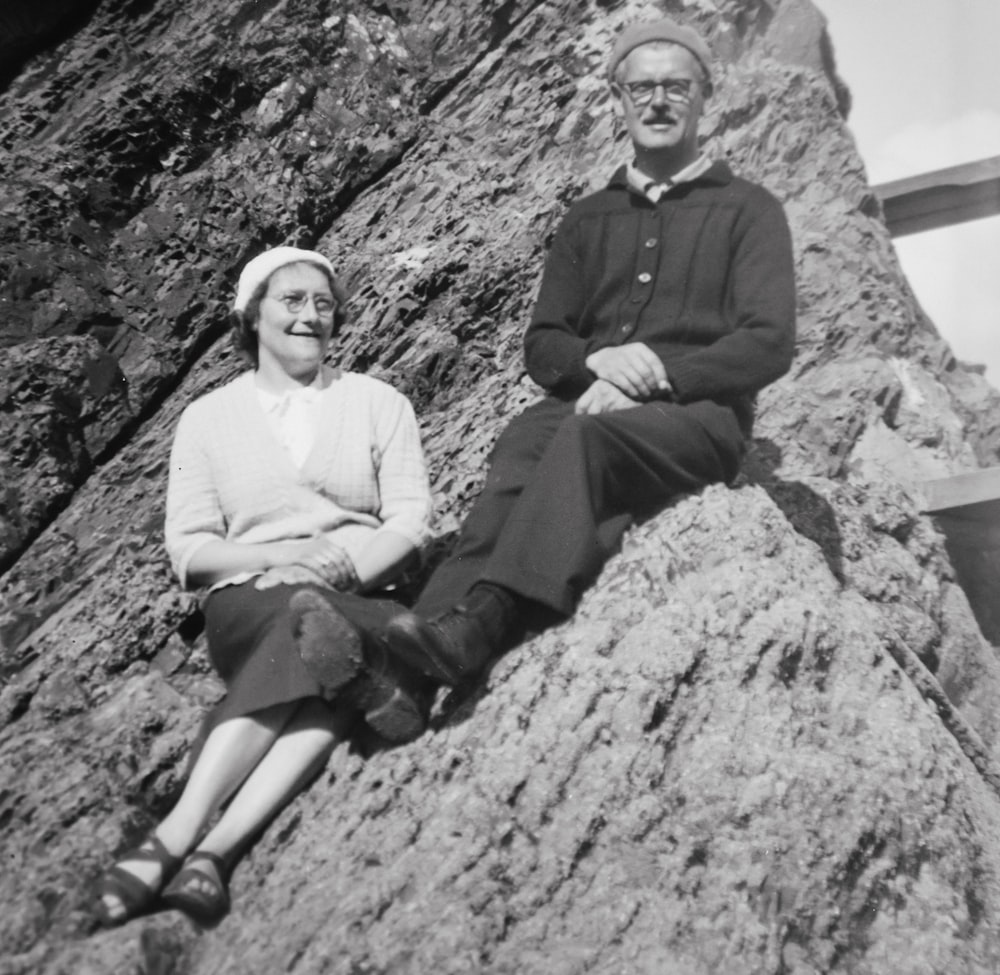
{"x": 26, "y": 28}
{"x": 767, "y": 743}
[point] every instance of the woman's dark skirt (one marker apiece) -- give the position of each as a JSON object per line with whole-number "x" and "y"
{"x": 252, "y": 647}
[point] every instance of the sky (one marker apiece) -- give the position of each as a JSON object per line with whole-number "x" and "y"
{"x": 925, "y": 81}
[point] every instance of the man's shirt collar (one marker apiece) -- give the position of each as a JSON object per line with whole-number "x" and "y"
{"x": 653, "y": 189}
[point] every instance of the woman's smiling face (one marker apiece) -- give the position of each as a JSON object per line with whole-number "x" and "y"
{"x": 295, "y": 321}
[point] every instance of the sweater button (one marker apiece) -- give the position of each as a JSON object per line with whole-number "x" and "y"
{"x": 645, "y": 277}
{"x": 652, "y": 242}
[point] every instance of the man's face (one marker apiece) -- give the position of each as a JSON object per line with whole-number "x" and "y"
{"x": 668, "y": 121}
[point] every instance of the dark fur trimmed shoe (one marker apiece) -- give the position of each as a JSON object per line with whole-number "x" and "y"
{"x": 394, "y": 699}
{"x": 354, "y": 666}
{"x": 330, "y": 645}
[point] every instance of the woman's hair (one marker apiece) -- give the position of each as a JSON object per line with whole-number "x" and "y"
{"x": 244, "y": 333}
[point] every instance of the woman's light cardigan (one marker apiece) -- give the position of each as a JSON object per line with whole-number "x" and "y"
{"x": 230, "y": 478}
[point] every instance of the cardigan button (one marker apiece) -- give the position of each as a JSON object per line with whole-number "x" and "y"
{"x": 652, "y": 242}
{"x": 645, "y": 277}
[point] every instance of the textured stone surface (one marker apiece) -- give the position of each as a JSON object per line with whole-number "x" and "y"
{"x": 766, "y": 744}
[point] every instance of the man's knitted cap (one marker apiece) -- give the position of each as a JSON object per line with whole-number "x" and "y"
{"x": 264, "y": 265}
{"x": 664, "y": 29}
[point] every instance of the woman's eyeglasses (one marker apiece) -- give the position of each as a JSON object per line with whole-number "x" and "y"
{"x": 295, "y": 301}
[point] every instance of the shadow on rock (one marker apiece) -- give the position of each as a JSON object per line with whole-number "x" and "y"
{"x": 808, "y": 513}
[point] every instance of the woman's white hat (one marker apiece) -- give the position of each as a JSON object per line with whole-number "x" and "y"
{"x": 264, "y": 265}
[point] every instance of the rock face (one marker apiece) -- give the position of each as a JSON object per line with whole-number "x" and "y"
{"x": 767, "y": 743}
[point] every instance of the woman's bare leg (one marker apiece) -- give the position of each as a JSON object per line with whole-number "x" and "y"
{"x": 295, "y": 756}
{"x": 228, "y": 756}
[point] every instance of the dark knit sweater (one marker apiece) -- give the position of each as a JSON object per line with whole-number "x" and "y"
{"x": 704, "y": 278}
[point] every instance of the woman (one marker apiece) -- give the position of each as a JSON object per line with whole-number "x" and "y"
{"x": 294, "y": 490}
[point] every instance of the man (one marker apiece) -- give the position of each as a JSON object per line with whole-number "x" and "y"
{"x": 667, "y": 302}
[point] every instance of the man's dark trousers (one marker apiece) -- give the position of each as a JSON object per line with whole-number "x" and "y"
{"x": 562, "y": 489}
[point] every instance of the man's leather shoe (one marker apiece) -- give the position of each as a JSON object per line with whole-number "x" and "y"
{"x": 452, "y": 648}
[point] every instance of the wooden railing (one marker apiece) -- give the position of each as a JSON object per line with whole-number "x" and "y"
{"x": 941, "y": 198}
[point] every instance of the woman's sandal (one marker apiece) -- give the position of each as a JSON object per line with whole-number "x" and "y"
{"x": 135, "y": 896}
{"x": 186, "y": 891}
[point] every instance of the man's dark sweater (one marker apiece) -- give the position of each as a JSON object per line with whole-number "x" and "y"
{"x": 704, "y": 277}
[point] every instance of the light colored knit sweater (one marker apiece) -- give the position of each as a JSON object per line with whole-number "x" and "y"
{"x": 230, "y": 478}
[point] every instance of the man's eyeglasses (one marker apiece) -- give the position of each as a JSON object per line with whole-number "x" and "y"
{"x": 677, "y": 90}
{"x": 295, "y": 301}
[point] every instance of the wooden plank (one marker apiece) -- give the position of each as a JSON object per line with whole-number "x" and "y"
{"x": 974, "y": 487}
{"x": 941, "y": 198}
